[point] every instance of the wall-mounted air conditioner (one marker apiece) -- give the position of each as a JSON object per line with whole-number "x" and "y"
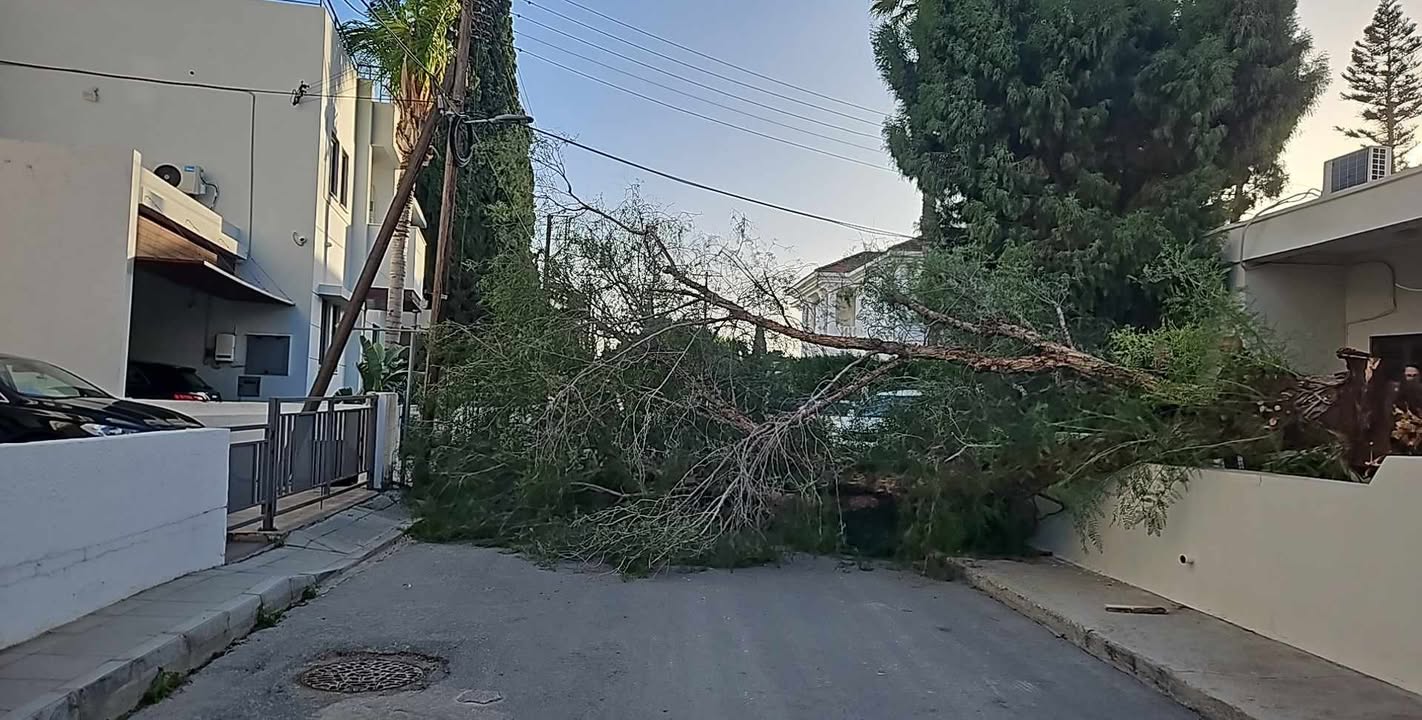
{"x": 188, "y": 178}
{"x": 1357, "y": 168}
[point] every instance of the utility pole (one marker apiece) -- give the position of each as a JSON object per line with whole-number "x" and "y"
{"x": 451, "y": 165}
{"x": 373, "y": 262}
{"x": 547, "y": 249}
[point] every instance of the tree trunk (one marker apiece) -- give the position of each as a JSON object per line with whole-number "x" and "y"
{"x": 395, "y": 293}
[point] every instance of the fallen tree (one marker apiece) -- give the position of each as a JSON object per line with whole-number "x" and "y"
{"x": 623, "y": 403}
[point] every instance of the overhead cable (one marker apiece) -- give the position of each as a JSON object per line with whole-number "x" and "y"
{"x": 708, "y": 118}
{"x": 683, "y": 63}
{"x": 718, "y": 191}
{"x": 688, "y": 80}
{"x": 712, "y": 58}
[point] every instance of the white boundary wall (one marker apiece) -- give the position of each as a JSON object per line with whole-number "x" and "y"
{"x": 86, "y": 523}
{"x": 1329, "y": 567}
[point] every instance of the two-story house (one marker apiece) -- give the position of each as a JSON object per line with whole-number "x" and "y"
{"x": 833, "y": 301}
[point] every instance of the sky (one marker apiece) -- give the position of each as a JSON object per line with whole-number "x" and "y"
{"x": 820, "y": 45}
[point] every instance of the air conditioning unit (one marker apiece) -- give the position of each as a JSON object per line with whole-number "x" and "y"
{"x": 188, "y": 178}
{"x": 1357, "y": 168}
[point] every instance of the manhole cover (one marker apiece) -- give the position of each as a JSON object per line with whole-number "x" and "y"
{"x": 363, "y": 674}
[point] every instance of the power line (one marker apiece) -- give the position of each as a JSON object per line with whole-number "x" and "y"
{"x": 180, "y": 83}
{"x": 718, "y": 191}
{"x": 712, "y": 58}
{"x": 761, "y": 118}
{"x": 718, "y": 121}
{"x": 685, "y": 79}
{"x": 683, "y": 63}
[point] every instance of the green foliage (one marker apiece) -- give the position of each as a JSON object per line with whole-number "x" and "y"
{"x": 164, "y": 684}
{"x": 1093, "y": 135}
{"x": 267, "y": 618}
{"x": 494, "y": 208}
{"x": 382, "y": 368}
{"x": 406, "y": 44}
{"x": 1383, "y": 77}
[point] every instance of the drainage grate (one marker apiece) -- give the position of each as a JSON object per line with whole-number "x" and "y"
{"x": 363, "y": 674}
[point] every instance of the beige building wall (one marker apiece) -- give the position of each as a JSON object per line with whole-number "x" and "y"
{"x": 1304, "y": 307}
{"x": 1376, "y": 305}
{"x": 1379, "y": 204}
{"x": 1328, "y": 567}
{"x": 88, "y": 195}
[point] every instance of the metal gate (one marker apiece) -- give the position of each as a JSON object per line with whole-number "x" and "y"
{"x": 320, "y": 444}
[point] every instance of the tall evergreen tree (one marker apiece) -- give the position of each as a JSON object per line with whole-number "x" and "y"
{"x": 494, "y": 204}
{"x": 1383, "y": 76}
{"x": 1093, "y": 135}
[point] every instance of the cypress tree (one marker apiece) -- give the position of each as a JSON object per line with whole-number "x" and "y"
{"x": 1093, "y": 135}
{"x": 494, "y": 204}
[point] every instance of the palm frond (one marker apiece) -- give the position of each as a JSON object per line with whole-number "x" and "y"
{"x": 406, "y": 45}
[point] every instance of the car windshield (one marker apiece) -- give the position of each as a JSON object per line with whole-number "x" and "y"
{"x": 35, "y": 379}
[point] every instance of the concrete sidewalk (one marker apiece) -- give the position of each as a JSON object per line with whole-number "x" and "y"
{"x": 1220, "y": 670}
{"x": 100, "y": 665}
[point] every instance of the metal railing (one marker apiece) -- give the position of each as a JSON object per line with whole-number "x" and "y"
{"x": 315, "y": 443}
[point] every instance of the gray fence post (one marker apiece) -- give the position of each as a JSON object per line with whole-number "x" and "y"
{"x": 269, "y": 481}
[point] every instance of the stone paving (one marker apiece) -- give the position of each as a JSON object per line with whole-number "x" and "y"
{"x": 101, "y": 664}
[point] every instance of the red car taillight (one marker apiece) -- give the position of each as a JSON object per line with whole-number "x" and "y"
{"x": 188, "y": 396}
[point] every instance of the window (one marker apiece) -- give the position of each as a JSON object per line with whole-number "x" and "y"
{"x": 345, "y": 177}
{"x": 338, "y": 171}
{"x": 268, "y": 354}
{"x": 1397, "y": 352}
{"x": 330, "y": 316}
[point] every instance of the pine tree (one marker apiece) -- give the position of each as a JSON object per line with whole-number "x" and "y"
{"x": 1383, "y": 76}
{"x": 494, "y": 202}
{"x": 1093, "y": 135}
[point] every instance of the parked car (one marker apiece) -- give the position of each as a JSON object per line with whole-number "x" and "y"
{"x": 39, "y": 401}
{"x": 858, "y": 420}
{"x": 160, "y": 381}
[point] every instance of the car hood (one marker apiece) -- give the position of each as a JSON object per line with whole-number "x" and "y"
{"x": 113, "y": 411}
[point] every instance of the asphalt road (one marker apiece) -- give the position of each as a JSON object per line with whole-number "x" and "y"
{"x": 806, "y": 640}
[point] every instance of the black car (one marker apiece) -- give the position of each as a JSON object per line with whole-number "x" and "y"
{"x": 160, "y": 381}
{"x": 39, "y": 401}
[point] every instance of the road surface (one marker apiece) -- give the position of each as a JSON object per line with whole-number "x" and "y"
{"x": 812, "y": 639}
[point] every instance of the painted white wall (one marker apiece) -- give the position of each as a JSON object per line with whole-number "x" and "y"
{"x": 1304, "y": 306}
{"x": 1375, "y": 305}
{"x": 86, "y": 523}
{"x": 1336, "y": 302}
{"x": 1328, "y": 567}
{"x": 387, "y": 439}
{"x": 67, "y": 302}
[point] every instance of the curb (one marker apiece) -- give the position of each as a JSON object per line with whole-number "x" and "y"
{"x": 1166, "y": 680}
{"x": 118, "y": 686}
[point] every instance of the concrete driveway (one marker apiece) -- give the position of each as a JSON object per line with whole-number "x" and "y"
{"x": 808, "y": 640}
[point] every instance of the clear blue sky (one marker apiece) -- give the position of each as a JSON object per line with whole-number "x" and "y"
{"x": 822, "y": 45}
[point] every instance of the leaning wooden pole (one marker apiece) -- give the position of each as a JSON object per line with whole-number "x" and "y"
{"x": 374, "y": 261}
{"x": 445, "y": 240}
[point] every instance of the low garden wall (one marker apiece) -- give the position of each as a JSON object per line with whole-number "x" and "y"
{"x": 86, "y": 523}
{"x": 1329, "y": 567}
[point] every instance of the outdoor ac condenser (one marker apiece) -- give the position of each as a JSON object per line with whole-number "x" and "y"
{"x": 188, "y": 178}
{"x": 224, "y": 348}
{"x": 1357, "y": 168}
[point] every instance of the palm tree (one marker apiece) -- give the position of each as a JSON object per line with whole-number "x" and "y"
{"x": 406, "y": 44}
